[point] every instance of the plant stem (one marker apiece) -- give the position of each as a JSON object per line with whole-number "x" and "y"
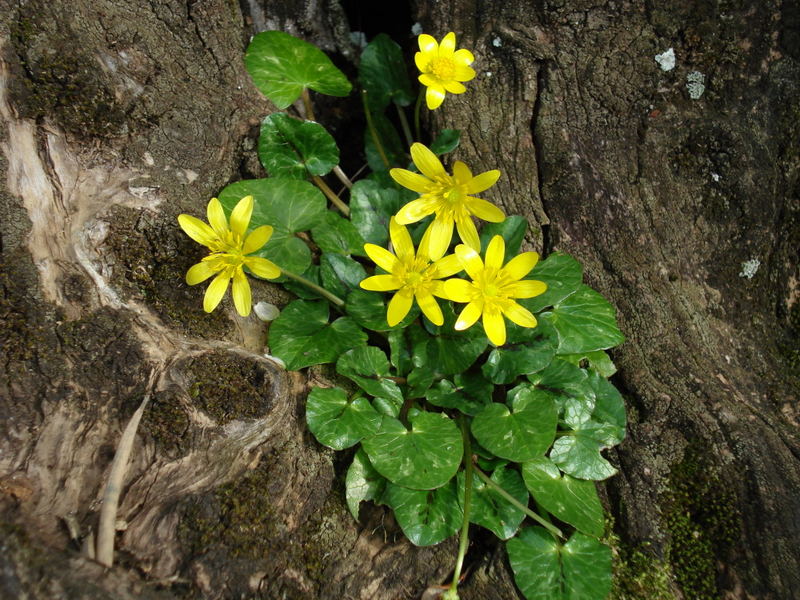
{"x": 539, "y": 519}
{"x": 335, "y": 200}
{"x": 335, "y": 300}
{"x": 404, "y": 124}
{"x": 372, "y": 131}
{"x": 337, "y": 170}
{"x": 417, "y": 108}
{"x": 308, "y": 105}
{"x": 463, "y": 542}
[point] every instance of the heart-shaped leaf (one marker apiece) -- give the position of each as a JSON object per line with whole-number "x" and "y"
{"x": 424, "y": 458}
{"x": 468, "y": 392}
{"x": 340, "y": 274}
{"x": 291, "y": 148}
{"x": 362, "y": 483}
{"x": 369, "y": 368}
{"x": 371, "y": 207}
{"x": 337, "y": 421}
{"x": 427, "y": 517}
{"x": 562, "y": 274}
{"x": 526, "y": 351}
{"x": 585, "y": 322}
{"x": 578, "y": 454}
{"x": 282, "y": 65}
{"x": 335, "y": 234}
{"x": 512, "y": 229}
{"x": 382, "y": 73}
{"x": 446, "y": 141}
{"x": 368, "y": 309}
{"x": 490, "y": 509}
{"x": 571, "y": 500}
{"x": 599, "y": 360}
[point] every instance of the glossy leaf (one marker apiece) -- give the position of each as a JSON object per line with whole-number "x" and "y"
{"x": 292, "y": 148}
{"x": 335, "y": 234}
{"x": 468, "y": 392}
{"x": 393, "y": 146}
{"x": 399, "y": 354}
{"x": 362, "y": 483}
{"x": 368, "y": 309}
{"x": 337, "y": 421}
{"x": 526, "y": 351}
{"x": 512, "y": 230}
{"x": 368, "y": 367}
{"x": 585, "y": 322}
{"x": 492, "y": 511}
{"x": 599, "y": 360}
{"x": 562, "y": 274}
{"x": 371, "y": 207}
{"x": 424, "y": 458}
{"x": 523, "y": 433}
{"x": 571, "y": 500}
{"x": 282, "y": 65}
{"x": 427, "y": 517}
{"x": 340, "y": 274}
{"x": 586, "y": 566}
{"x": 382, "y": 73}
{"x": 578, "y": 454}
{"x": 301, "y": 336}
{"x": 446, "y": 141}
{"x": 447, "y": 351}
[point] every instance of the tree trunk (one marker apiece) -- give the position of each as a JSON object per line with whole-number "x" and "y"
{"x": 119, "y": 116}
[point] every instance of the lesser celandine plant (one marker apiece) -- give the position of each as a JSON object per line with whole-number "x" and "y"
{"x": 501, "y": 425}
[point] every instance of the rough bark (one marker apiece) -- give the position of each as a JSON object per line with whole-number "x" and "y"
{"x": 118, "y": 116}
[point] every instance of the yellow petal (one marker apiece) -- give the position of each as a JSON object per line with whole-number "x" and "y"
{"x": 495, "y": 253}
{"x": 401, "y": 241}
{"x": 399, "y": 306}
{"x": 256, "y": 239}
{"x": 427, "y": 43}
{"x": 426, "y": 161}
{"x": 261, "y": 267}
{"x": 216, "y": 217}
{"x": 495, "y": 327}
{"x": 448, "y": 44}
{"x": 430, "y": 308}
{"x": 422, "y": 61}
{"x": 470, "y": 260}
{"x": 483, "y": 181}
{"x": 410, "y": 180}
{"x": 241, "y": 293}
{"x": 461, "y": 172}
{"x": 215, "y": 291}
{"x": 381, "y": 257}
{"x": 464, "y": 73}
{"x": 454, "y": 87}
{"x": 463, "y": 58}
{"x": 447, "y": 267}
{"x": 527, "y": 288}
{"x": 380, "y": 283}
{"x": 468, "y": 233}
{"x": 197, "y": 230}
{"x": 459, "y": 290}
{"x": 199, "y": 273}
{"x": 417, "y": 209}
{"x": 434, "y": 96}
{"x": 440, "y": 236}
{"x": 469, "y": 315}
{"x": 520, "y": 315}
{"x": 429, "y": 80}
{"x": 519, "y": 266}
{"x": 240, "y": 216}
{"x": 484, "y": 210}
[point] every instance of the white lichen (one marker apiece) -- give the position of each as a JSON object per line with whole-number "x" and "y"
{"x": 696, "y": 84}
{"x": 416, "y": 28}
{"x": 497, "y": 42}
{"x": 750, "y": 268}
{"x": 359, "y": 39}
{"x": 666, "y": 60}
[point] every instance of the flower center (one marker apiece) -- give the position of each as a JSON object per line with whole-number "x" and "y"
{"x": 443, "y": 69}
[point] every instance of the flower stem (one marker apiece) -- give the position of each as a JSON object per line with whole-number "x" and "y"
{"x": 335, "y": 300}
{"x": 308, "y": 105}
{"x": 372, "y": 131}
{"x": 516, "y": 503}
{"x": 404, "y": 124}
{"x": 337, "y": 170}
{"x": 335, "y": 200}
{"x": 417, "y": 108}
{"x": 463, "y": 542}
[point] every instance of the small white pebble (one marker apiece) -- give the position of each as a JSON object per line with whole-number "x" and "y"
{"x": 488, "y": 74}
{"x": 266, "y": 311}
{"x": 416, "y": 28}
{"x": 750, "y": 268}
{"x": 715, "y": 176}
{"x": 696, "y": 84}
{"x": 666, "y": 60}
{"x": 497, "y": 42}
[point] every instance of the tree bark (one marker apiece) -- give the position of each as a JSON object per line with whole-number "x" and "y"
{"x": 116, "y": 117}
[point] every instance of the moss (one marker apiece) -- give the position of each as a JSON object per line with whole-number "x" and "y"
{"x": 167, "y": 423}
{"x": 700, "y": 513}
{"x": 639, "y": 574}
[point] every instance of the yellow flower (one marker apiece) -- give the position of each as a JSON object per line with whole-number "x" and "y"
{"x": 493, "y": 288}
{"x": 448, "y": 197}
{"x": 443, "y": 67}
{"x": 412, "y": 274}
{"x": 229, "y": 249}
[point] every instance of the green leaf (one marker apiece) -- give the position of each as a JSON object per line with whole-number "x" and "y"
{"x": 291, "y": 148}
{"x": 526, "y": 351}
{"x": 368, "y": 309}
{"x": 578, "y": 454}
{"x": 562, "y": 377}
{"x": 338, "y": 422}
{"x": 399, "y": 354}
{"x": 427, "y": 517}
{"x": 424, "y": 458}
{"x": 282, "y": 65}
{"x": 382, "y": 73}
{"x": 301, "y": 336}
{"x": 512, "y": 229}
{"x": 371, "y": 207}
{"x": 571, "y": 500}
{"x": 289, "y": 206}
{"x": 446, "y": 141}
{"x": 524, "y": 433}
{"x": 393, "y": 146}
{"x": 340, "y": 274}
{"x": 585, "y": 322}
{"x": 489, "y": 509}
{"x": 448, "y": 352}
{"x": 387, "y": 407}
{"x": 362, "y": 483}
{"x": 600, "y": 361}
{"x": 368, "y": 367}
{"x": 562, "y": 274}
{"x": 419, "y": 380}
{"x": 545, "y": 570}
{"x": 469, "y": 393}
{"x": 335, "y": 234}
